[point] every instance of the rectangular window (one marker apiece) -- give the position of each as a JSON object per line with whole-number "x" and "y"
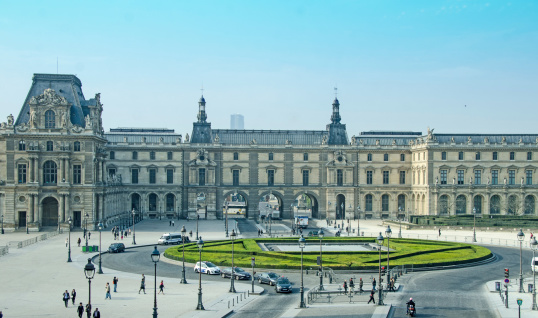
{"x": 494, "y": 177}
{"x": 50, "y": 146}
{"x": 270, "y": 177}
{"x": 512, "y": 155}
{"x": 339, "y": 177}
{"x": 134, "y": 176}
{"x": 135, "y": 155}
{"x": 235, "y": 177}
{"x": 112, "y": 155}
{"x": 443, "y": 155}
{"x": 402, "y": 177}
{"x": 478, "y": 177}
{"x": 201, "y": 176}
{"x": 305, "y": 156}
{"x": 111, "y": 172}
{"x": 152, "y": 155}
{"x": 460, "y": 155}
{"x": 76, "y": 146}
{"x": 369, "y": 203}
{"x": 402, "y": 157}
{"x": 22, "y": 145}
{"x": 152, "y": 176}
{"x": 169, "y": 176}
{"x": 386, "y": 157}
{"x": 443, "y": 176}
{"x": 77, "y": 174}
{"x": 169, "y": 155}
{"x": 461, "y": 176}
{"x": 477, "y": 155}
{"x": 495, "y": 155}
{"x": 270, "y": 156}
{"x": 21, "y": 169}
{"x": 511, "y": 177}
{"x": 236, "y": 156}
{"x": 529, "y": 155}
{"x": 369, "y": 177}
{"x": 369, "y": 157}
{"x": 528, "y": 174}
{"x": 385, "y": 177}
{"x": 305, "y": 177}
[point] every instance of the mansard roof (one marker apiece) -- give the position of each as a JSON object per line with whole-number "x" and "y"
{"x": 270, "y": 137}
{"x": 137, "y": 135}
{"x": 68, "y": 86}
{"x": 492, "y": 138}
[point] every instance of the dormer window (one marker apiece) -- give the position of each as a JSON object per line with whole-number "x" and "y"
{"x": 50, "y": 119}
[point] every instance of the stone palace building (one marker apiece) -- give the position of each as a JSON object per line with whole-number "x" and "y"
{"x": 56, "y": 162}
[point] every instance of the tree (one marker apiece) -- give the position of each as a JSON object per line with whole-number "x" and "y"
{"x": 515, "y": 206}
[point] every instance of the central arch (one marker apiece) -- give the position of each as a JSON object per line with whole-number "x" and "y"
{"x": 235, "y": 205}
{"x": 271, "y": 203}
{"x": 50, "y": 212}
{"x": 306, "y": 204}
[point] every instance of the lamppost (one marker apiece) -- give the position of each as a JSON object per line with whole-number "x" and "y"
{"x": 232, "y": 287}
{"x": 86, "y": 216}
{"x": 400, "y": 221}
{"x": 302, "y": 244}
{"x": 270, "y": 223}
{"x": 69, "y": 220}
{"x": 100, "y": 226}
{"x": 58, "y": 223}
{"x": 155, "y": 255}
{"x": 380, "y": 243}
{"x": 358, "y": 220}
{"x": 200, "y": 306}
{"x": 183, "y": 233}
{"x": 320, "y": 234}
{"x": 520, "y": 237}
{"x": 226, "y": 216}
{"x": 342, "y": 213}
{"x": 89, "y": 271}
{"x": 534, "y": 245}
{"x": 388, "y": 234}
{"x": 197, "y": 218}
{"x": 2, "y": 223}
{"x": 474, "y": 225}
{"x": 27, "y": 224}
{"x": 134, "y": 232}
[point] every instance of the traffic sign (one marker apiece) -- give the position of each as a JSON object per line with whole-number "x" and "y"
{"x": 519, "y": 301}
{"x": 507, "y": 281}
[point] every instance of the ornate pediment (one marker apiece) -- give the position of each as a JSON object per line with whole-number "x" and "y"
{"x": 49, "y": 97}
{"x": 339, "y": 158}
{"x": 202, "y": 159}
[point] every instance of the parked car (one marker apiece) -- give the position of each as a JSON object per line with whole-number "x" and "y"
{"x": 239, "y": 273}
{"x": 267, "y": 278}
{"x": 116, "y": 248}
{"x": 207, "y": 268}
{"x": 313, "y": 233}
{"x": 283, "y": 285}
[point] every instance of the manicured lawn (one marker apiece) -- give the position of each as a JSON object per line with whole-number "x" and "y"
{"x": 406, "y": 252}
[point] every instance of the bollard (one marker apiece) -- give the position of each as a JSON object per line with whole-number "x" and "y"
{"x": 307, "y": 271}
{"x": 241, "y": 297}
{"x": 233, "y": 301}
{"x": 248, "y": 293}
{"x": 228, "y": 304}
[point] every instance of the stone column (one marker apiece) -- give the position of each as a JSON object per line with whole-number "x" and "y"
{"x": 31, "y": 209}
{"x": 40, "y": 218}
{"x": 61, "y": 172}
{"x": 36, "y": 208}
{"x": 67, "y": 207}
{"x": 102, "y": 202}
{"x": 30, "y": 170}
{"x": 62, "y": 208}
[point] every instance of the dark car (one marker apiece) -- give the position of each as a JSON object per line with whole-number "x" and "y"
{"x": 313, "y": 233}
{"x": 283, "y": 285}
{"x": 267, "y": 278}
{"x": 116, "y": 248}
{"x": 239, "y": 273}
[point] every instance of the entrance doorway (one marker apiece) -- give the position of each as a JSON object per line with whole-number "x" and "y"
{"x": 50, "y": 212}
{"x": 22, "y": 218}
{"x": 77, "y": 219}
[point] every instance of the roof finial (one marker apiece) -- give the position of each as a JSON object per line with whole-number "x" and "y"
{"x": 335, "y": 92}
{"x": 202, "y": 89}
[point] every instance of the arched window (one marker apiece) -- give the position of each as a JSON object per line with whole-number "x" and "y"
{"x": 135, "y": 202}
{"x": 49, "y": 173}
{"x": 385, "y": 203}
{"x": 495, "y": 205}
{"x": 529, "y": 204}
{"x": 170, "y": 202}
{"x": 461, "y": 204}
{"x": 514, "y": 205}
{"x": 50, "y": 119}
{"x": 443, "y": 205}
{"x": 369, "y": 204}
{"x": 401, "y": 203}
{"x": 477, "y": 206}
{"x": 152, "y": 202}
{"x": 76, "y": 146}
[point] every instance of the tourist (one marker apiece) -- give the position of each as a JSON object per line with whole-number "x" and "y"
{"x": 372, "y": 293}
{"x": 115, "y": 282}
{"x": 161, "y": 287}
{"x": 143, "y": 284}
{"x": 107, "y": 289}
{"x": 73, "y": 296}
{"x": 66, "y": 298}
{"x": 80, "y": 310}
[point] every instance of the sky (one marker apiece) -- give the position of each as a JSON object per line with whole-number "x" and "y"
{"x": 455, "y": 66}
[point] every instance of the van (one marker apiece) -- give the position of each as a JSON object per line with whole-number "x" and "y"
{"x": 534, "y": 264}
{"x": 171, "y": 238}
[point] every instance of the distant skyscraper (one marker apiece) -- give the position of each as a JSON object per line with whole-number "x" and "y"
{"x": 237, "y": 121}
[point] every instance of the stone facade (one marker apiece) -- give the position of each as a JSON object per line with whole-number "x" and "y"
{"x": 157, "y": 173}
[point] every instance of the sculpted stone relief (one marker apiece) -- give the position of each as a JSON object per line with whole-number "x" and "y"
{"x": 49, "y": 97}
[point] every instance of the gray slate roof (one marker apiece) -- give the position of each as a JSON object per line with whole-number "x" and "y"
{"x": 68, "y": 86}
{"x": 269, "y": 137}
{"x": 479, "y": 138}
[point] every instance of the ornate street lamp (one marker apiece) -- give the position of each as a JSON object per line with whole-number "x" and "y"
{"x": 320, "y": 234}
{"x": 86, "y": 216}
{"x": 534, "y": 246}
{"x": 197, "y": 218}
{"x": 89, "y": 271}
{"x": 400, "y": 221}
{"x": 183, "y": 233}
{"x": 134, "y": 232}
{"x": 226, "y": 221}
{"x": 232, "y": 237}
{"x": 27, "y": 224}
{"x": 69, "y": 220}
{"x": 200, "y": 306}
{"x": 474, "y": 225}
{"x": 388, "y": 234}
{"x": 100, "y": 226}
{"x": 520, "y": 237}
{"x": 380, "y": 243}
{"x": 302, "y": 244}
{"x": 155, "y": 255}
{"x": 342, "y": 213}
{"x": 2, "y": 223}
{"x": 358, "y": 220}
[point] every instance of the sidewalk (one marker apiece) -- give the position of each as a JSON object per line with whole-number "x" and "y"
{"x": 513, "y": 294}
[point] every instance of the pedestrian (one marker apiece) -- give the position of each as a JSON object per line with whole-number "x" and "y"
{"x": 122, "y": 236}
{"x": 361, "y": 283}
{"x": 351, "y": 285}
{"x": 96, "y": 313}
{"x": 258, "y": 232}
{"x": 88, "y": 310}
{"x": 532, "y": 235}
{"x": 79, "y": 242}
{"x": 80, "y": 310}
{"x": 73, "y": 296}
{"x": 439, "y": 231}
{"x": 129, "y": 231}
{"x": 170, "y": 223}
{"x": 107, "y": 289}
{"x": 89, "y": 235}
{"x": 345, "y": 287}
{"x": 372, "y": 293}
{"x": 161, "y": 287}
{"x": 392, "y": 284}
{"x": 374, "y": 283}
{"x": 66, "y": 241}
{"x": 115, "y": 282}
{"x": 143, "y": 284}
{"x": 173, "y": 223}
{"x": 66, "y": 298}
{"x": 190, "y": 233}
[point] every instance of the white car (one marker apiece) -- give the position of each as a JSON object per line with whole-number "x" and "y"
{"x": 207, "y": 268}
{"x": 534, "y": 267}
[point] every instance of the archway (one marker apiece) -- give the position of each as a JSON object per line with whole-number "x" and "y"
{"x": 135, "y": 202}
{"x": 401, "y": 206}
{"x": 477, "y": 206}
{"x": 514, "y": 205}
{"x": 495, "y": 205}
{"x": 50, "y": 212}
{"x": 235, "y": 205}
{"x": 529, "y": 204}
{"x": 170, "y": 205}
{"x": 271, "y": 205}
{"x": 340, "y": 206}
{"x": 443, "y": 204}
{"x": 305, "y": 205}
{"x": 461, "y": 204}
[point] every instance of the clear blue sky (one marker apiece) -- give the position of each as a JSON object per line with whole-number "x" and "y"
{"x": 398, "y": 65}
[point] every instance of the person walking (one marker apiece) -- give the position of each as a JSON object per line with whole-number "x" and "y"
{"x": 88, "y": 311}
{"x": 361, "y": 283}
{"x": 66, "y": 298}
{"x": 345, "y": 287}
{"x": 372, "y": 293}
{"x": 374, "y": 283}
{"x": 80, "y": 310}
{"x": 392, "y": 284}
{"x": 107, "y": 289}
{"x": 115, "y": 282}
{"x": 143, "y": 284}
{"x": 96, "y": 313}
{"x": 173, "y": 224}
{"x": 351, "y": 285}
{"x": 73, "y": 296}
{"x": 89, "y": 235}
{"x": 170, "y": 223}
{"x": 66, "y": 241}
{"x": 161, "y": 287}
{"x": 78, "y": 242}
{"x": 439, "y": 231}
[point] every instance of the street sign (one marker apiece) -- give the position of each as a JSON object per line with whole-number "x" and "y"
{"x": 519, "y": 301}
{"x": 506, "y": 280}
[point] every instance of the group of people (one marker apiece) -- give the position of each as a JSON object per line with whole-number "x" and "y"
{"x": 172, "y": 223}
{"x": 143, "y": 286}
{"x": 81, "y": 308}
{"x": 120, "y": 233}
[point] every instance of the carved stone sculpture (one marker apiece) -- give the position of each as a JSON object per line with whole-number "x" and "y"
{"x": 88, "y": 121}
{"x": 10, "y": 120}
{"x": 33, "y": 119}
{"x": 187, "y": 137}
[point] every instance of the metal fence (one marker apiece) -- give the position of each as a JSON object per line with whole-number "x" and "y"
{"x": 20, "y": 244}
